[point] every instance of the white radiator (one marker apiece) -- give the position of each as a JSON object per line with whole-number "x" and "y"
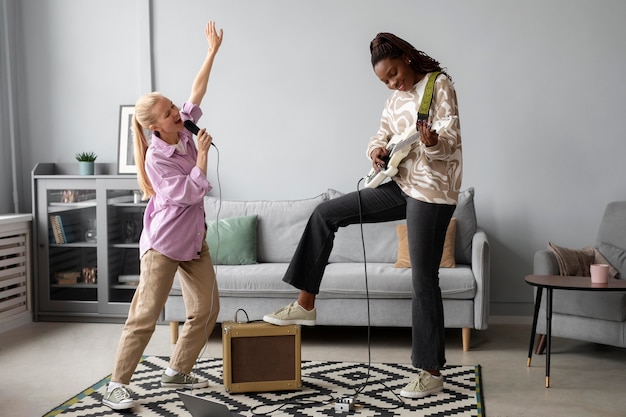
{"x": 15, "y": 266}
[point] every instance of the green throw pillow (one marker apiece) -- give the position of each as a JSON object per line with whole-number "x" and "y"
{"x": 237, "y": 240}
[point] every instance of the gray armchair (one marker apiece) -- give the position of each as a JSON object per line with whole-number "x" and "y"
{"x": 589, "y": 316}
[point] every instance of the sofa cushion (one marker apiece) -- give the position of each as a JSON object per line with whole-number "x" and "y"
{"x": 573, "y": 262}
{"x": 381, "y": 240}
{"x": 279, "y": 225}
{"x": 601, "y": 259}
{"x": 232, "y": 241}
{"x": 381, "y": 243}
{"x": 260, "y": 280}
{"x": 611, "y": 228}
{"x": 447, "y": 258}
{"x": 466, "y": 226}
{"x": 616, "y": 257}
{"x": 341, "y": 280}
{"x": 604, "y": 306}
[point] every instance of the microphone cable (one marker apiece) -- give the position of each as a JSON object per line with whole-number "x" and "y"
{"x": 217, "y": 233}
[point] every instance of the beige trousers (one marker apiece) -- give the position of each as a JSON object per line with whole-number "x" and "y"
{"x": 201, "y": 298}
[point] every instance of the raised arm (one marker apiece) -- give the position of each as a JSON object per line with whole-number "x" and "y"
{"x": 198, "y": 89}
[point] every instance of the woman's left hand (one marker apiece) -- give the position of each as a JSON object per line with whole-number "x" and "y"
{"x": 427, "y": 136}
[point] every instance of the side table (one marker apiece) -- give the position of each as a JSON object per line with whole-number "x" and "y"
{"x": 552, "y": 282}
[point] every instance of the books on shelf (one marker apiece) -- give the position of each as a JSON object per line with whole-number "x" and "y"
{"x": 60, "y": 232}
{"x": 128, "y": 279}
{"x": 67, "y": 278}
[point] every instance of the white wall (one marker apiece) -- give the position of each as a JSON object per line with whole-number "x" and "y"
{"x": 293, "y": 100}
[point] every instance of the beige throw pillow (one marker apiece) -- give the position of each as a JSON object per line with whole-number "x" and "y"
{"x": 447, "y": 258}
{"x": 576, "y": 262}
{"x": 573, "y": 262}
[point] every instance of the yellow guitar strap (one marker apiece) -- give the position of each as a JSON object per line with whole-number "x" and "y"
{"x": 422, "y": 113}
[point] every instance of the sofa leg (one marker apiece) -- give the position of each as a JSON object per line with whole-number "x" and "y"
{"x": 466, "y": 332}
{"x": 541, "y": 344}
{"x": 174, "y": 331}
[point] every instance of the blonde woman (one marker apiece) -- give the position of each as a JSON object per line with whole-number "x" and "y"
{"x": 172, "y": 173}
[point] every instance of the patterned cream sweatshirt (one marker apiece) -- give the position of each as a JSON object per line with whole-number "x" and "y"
{"x": 431, "y": 174}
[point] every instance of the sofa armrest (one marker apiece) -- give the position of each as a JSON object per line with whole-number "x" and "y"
{"x": 544, "y": 263}
{"x": 481, "y": 268}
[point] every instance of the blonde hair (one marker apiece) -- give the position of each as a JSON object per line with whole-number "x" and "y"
{"x": 142, "y": 119}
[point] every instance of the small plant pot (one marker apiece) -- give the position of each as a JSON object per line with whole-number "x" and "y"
{"x": 86, "y": 167}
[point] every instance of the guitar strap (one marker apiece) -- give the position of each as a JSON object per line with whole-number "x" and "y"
{"x": 422, "y": 113}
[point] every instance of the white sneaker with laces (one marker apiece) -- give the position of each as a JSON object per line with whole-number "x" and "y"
{"x": 292, "y": 314}
{"x": 423, "y": 385}
{"x": 183, "y": 381}
{"x": 120, "y": 398}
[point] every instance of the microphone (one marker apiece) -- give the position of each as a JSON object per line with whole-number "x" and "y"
{"x": 191, "y": 126}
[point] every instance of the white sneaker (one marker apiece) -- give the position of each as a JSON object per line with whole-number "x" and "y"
{"x": 118, "y": 399}
{"x": 425, "y": 384}
{"x": 292, "y": 314}
{"x": 183, "y": 381}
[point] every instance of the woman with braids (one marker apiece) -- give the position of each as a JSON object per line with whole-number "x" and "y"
{"x": 424, "y": 192}
{"x": 172, "y": 174}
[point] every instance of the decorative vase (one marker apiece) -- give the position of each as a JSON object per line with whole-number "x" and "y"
{"x": 91, "y": 234}
{"x": 85, "y": 167}
{"x": 130, "y": 230}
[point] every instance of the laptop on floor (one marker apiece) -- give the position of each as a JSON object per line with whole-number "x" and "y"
{"x": 202, "y": 407}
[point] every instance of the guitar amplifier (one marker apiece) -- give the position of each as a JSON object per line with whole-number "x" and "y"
{"x": 261, "y": 357}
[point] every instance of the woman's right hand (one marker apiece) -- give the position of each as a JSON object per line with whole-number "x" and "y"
{"x": 204, "y": 141}
{"x": 379, "y": 158}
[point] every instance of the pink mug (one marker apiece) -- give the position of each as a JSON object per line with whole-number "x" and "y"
{"x": 599, "y": 273}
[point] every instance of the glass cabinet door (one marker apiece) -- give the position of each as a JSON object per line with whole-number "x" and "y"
{"x": 87, "y": 242}
{"x": 72, "y": 250}
{"x": 124, "y": 224}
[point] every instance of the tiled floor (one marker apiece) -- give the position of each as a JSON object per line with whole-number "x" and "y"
{"x": 44, "y": 364}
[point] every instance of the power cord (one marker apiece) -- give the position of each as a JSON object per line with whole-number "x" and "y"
{"x": 217, "y": 233}
{"x": 346, "y": 403}
{"x": 360, "y": 388}
{"x": 367, "y": 291}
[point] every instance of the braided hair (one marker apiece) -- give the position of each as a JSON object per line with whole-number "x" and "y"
{"x": 387, "y": 45}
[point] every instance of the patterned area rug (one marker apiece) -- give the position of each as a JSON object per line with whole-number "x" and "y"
{"x": 376, "y": 390}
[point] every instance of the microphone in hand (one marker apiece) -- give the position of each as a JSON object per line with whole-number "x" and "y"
{"x": 191, "y": 126}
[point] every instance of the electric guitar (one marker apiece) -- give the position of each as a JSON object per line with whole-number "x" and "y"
{"x": 399, "y": 147}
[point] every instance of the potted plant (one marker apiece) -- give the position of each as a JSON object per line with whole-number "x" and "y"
{"x": 86, "y": 162}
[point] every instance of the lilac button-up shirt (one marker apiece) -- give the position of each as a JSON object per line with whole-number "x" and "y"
{"x": 174, "y": 221}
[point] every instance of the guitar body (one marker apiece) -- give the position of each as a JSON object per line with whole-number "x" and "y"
{"x": 399, "y": 147}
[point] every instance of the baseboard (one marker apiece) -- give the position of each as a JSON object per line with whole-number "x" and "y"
{"x": 16, "y": 321}
{"x": 511, "y": 320}
{"x": 512, "y": 309}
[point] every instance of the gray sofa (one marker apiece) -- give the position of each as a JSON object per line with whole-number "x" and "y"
{"x": 256, "y": 286}
{"x": 584, "y": 315}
